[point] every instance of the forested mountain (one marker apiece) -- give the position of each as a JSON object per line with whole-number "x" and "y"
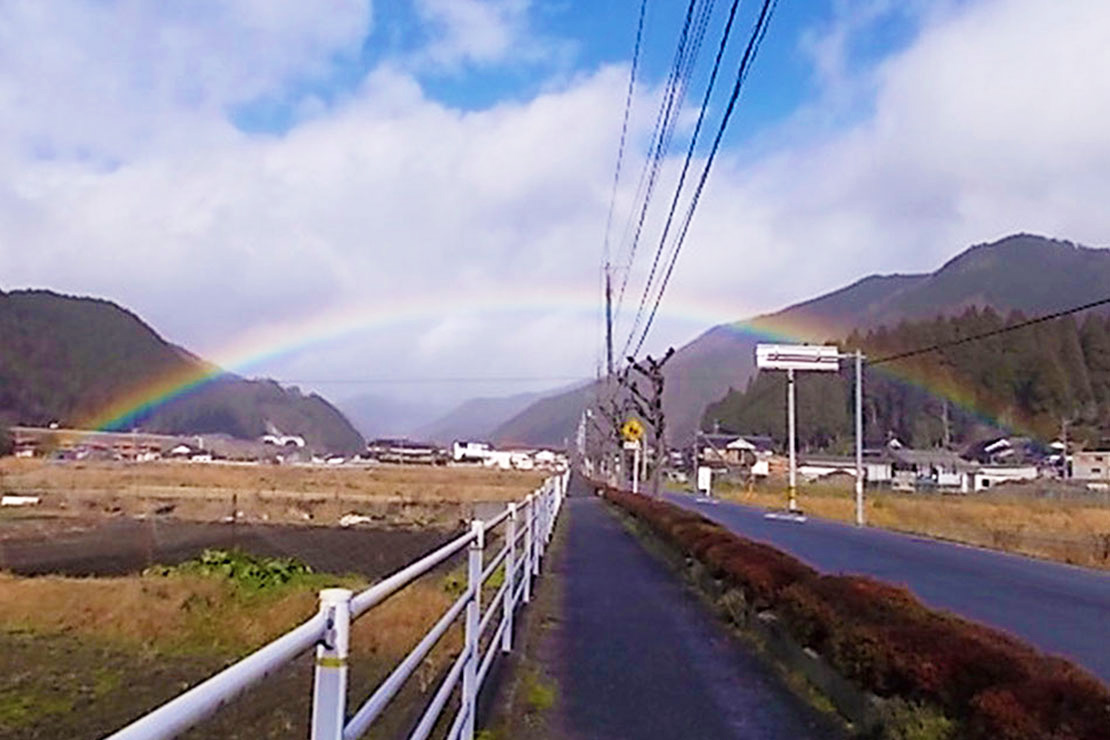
{"x": 1022, "y": 272}
{"x": 1029, "y": 380}
{"x": 67, "y": 359}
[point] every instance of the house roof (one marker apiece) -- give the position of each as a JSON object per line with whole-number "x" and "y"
{"x": 940, "y": 458}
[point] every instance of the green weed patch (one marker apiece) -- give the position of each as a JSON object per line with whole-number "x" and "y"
{"x": 247, "y": 571}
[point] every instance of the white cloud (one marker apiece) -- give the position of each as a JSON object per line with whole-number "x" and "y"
{"x": 120, "y": 176}
{"x": 480, "y": 31}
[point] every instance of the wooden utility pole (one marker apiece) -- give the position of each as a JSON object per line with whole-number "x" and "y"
{"x": 652, "y": 408}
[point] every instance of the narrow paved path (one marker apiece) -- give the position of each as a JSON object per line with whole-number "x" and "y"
{"x": 640, "y": 657}
{"x": 1060, "y": 608}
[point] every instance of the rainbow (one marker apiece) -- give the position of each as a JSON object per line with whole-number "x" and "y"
{"x": 276, "y": 339}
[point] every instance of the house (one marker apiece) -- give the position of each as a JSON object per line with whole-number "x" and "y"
{"x": 283, "y": 440}
{"x": 988, "y": 476}
{"x": 732, "y": 450}
{"x": 470, "y": 452}
{"x": 1091, "y": 465}
{"x": 876, "y": 468}
{"x": 1007, "y": 451}
{"x": 917, "y": 470}
{"x": 404, "y": 451}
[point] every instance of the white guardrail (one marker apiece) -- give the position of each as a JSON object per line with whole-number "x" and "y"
{"x": 528, "y": 524}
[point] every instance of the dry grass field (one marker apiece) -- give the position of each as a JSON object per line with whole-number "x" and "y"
{"x": 1069, "y": 529}
{"x": 81, "y": 657}
{"x": 393, "y": 495}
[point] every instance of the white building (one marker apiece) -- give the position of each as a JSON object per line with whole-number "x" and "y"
{"x": 472, "y": 452}
{"x": 988, "y": 476}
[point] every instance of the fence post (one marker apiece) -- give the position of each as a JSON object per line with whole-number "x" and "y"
{"x": 473, "y": 616}
{"x": 329, "y": 694}
{"x": 529, "y": 515}
{"x": 537, "y": 538}
{"x": 510, "y": 568}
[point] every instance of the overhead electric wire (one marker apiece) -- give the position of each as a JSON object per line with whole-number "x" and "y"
{"x": 685, "y": 168}
{"x": 987, "y": 334}
{"x": 624, "y": 124}
{"x": 681, "y": 68}
{"x": 432, "y": 379}
{"x": 603, "y": 349}
{"x": 750, "y": 53}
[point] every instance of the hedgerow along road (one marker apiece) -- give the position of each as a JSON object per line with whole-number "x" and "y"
{"x": 1061, "y": 609}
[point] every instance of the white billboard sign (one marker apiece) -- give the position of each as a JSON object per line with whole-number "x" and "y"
{"x": 797, "y": 357}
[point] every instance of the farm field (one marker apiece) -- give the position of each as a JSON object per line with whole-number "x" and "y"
{"x": 1070, "y": 528}
{"x": 91, "y": 636}
{"x": 408, "y": 496}
{"x": 84, "y": 656}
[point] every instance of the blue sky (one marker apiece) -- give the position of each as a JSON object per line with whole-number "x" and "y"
{"x": 575, "y": 37}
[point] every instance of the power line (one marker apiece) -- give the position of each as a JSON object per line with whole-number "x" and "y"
{"x": 753, "y": 396}
{"x": 605, "y": 261}
{"x": 426, "y": 379}
{"x": 674, "y": 94}
{"x": 624, "y": 124}
{"x": 750, "y": 53}
{"x": 685, "y": 167}
{"x": 987, "y": 334}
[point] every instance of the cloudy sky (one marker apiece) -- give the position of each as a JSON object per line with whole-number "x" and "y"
{"x": 343, "y": 193}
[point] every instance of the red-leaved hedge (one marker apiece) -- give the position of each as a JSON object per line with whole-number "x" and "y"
{"x": 889, "y": 643}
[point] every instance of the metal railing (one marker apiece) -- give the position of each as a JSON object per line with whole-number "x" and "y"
{"x": 528, "y": 528}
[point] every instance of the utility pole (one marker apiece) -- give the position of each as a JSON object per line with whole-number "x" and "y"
{"x": 947, "y": 429}
{"x": 859, "y": 438}
{"x": 608, "y": 322}
{"x": 790, "y": 415}
{"x": 652, "y": 370}
{"x": 1064, "y": 435}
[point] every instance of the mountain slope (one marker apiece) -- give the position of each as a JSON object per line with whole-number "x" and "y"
{"x": 382, "y": 416}
{"x": 477, "y": 418}
{"x": 68, "y": 359}
{"x": 549, "y": 422}
{"x": 1021, "y": 272}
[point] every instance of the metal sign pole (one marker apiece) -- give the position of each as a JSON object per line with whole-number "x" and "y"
{"x": 793, "y": 506}
{"x": 636, "y": 468}
{"x": 859, "y": 439}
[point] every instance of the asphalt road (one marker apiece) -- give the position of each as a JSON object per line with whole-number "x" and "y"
{"x": 639, "y": 657}
{"x": 1062, "y": 609}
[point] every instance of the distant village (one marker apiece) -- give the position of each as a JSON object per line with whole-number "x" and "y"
{"x": 978, "y": 467}
{"x": 745, "y": 458}
{"x": 273, "y": 448}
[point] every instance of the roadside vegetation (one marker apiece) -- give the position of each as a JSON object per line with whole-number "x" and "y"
{"x": 1071, "y": 528}
{"x": 84, "y": 656}
{"x": 936, "y": 675}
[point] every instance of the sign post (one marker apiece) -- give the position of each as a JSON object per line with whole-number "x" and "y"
{"x": 633, "y": 431}
{"x": 791, "y": 357}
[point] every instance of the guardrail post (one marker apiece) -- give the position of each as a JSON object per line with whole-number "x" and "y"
{"x": 510, "y": 568}
{"x": 529, "y": 517}
{"x": 473, "y": 616}
{"x": 329, "y": 694}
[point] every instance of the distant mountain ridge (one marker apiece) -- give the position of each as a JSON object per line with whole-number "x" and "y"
{"x": 476, "y": 418}
{"x": 66, "y": 359}
{"x": 1024, "y": 272}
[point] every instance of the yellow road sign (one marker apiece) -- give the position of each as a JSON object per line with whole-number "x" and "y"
{"x": 632, "y": 430}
